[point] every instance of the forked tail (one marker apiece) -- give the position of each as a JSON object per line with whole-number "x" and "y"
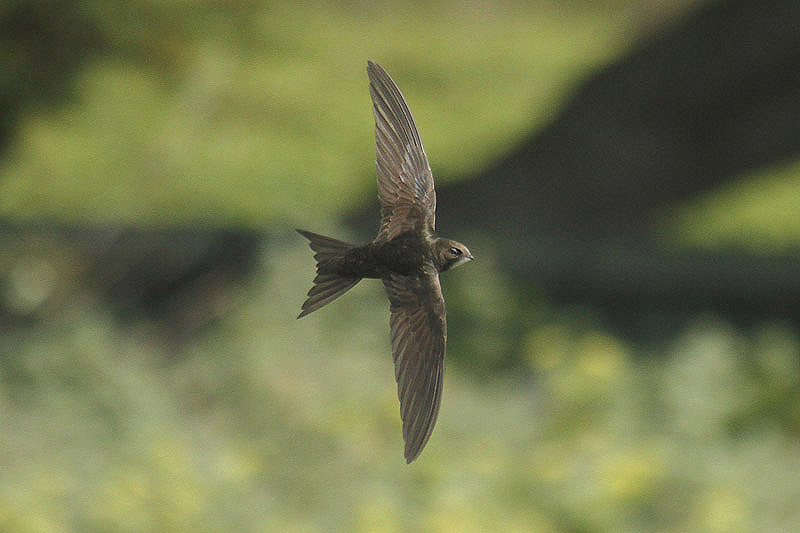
{"x": 327, "y": 287}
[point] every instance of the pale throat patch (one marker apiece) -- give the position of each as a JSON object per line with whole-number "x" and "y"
{"x": 460, "y": 260}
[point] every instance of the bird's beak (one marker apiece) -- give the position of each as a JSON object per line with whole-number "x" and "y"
{"x": 470, "y": 257}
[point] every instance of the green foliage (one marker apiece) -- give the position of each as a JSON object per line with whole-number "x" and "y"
{"x": 757, "y": 213}
{"x": 269, "y": 423}
{"x": 240, "y": 113}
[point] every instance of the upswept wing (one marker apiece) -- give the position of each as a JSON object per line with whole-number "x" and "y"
{"x": 405, "y": 180}
{"x": 419, "y": 334}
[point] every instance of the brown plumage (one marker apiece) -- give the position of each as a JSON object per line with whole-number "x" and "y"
{"x": 406, "y": 254}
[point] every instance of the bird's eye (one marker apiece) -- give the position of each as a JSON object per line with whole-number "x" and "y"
{"x": 455, "y": 251}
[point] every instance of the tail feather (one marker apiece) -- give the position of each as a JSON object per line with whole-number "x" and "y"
{"x": 327, "y": 287}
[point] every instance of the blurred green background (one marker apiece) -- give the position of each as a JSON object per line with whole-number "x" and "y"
{"x": 154, "y": 158}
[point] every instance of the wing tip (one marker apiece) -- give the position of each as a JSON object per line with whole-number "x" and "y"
{"x": 411, "y": 456}
{"x": 378, "y": 75}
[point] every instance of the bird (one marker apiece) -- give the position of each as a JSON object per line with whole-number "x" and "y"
{"x": 406, "y": 255}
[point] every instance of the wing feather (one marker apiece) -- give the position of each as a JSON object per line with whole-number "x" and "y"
{"x": 405, "y": 180}
{"x": 419, "y": 335}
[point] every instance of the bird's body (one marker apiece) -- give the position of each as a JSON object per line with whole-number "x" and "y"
{"x": 406, "y": 254}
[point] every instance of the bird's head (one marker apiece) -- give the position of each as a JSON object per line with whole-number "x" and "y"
{"x": 448, "y": 254}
